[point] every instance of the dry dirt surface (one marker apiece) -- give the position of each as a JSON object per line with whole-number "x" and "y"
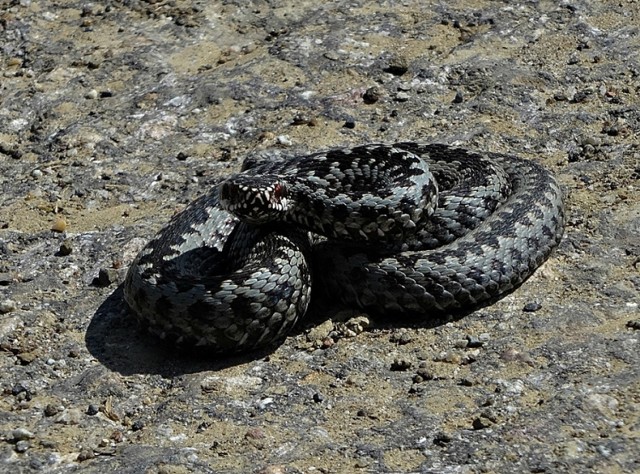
{"x": 115, "y": 114}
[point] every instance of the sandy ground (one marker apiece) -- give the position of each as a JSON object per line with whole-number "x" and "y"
{"x": 114, "y": 115}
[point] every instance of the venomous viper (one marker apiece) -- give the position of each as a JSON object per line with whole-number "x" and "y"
{"x": 408, "y": 228}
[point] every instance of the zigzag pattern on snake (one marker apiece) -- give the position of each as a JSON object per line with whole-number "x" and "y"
{"x": 408, "y": 228}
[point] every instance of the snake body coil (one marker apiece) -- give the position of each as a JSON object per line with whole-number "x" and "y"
{"x": 408, "y": 228}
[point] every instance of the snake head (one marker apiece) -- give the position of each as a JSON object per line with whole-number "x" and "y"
{"x": 253, "y": 199}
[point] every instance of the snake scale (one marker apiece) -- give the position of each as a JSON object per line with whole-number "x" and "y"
{"x": 407, "y": 228}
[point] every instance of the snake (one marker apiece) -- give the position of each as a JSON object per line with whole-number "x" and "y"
{"x": 404, "y": 229}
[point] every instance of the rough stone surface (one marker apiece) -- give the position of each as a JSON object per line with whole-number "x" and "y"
{"x": 114, "y": 115}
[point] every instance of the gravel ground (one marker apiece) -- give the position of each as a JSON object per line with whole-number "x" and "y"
{"x": 114, "y": 115}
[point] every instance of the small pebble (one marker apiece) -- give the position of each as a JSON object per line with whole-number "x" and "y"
{"x": 397, "y": 66}
{"x": 531, "y": 307}
{"x": 300, "y": 119}
{"x": 92, "y": 94}
{"x": 633, "y": 324}
{"x": 28, "y": 356}
{"x": 22, "y": 446}
{"x": 59, "y": 224}
{"x": 473, "y": 342}
{"x": 400, "y": 365}
{"x": 85, "y": 455}
{"x": 255, "y": 433}
{"x": 441, "y": 438}
{"x": 320, "y": 332}
{"x": 92, "y": 410}
{"x": 284, "y": 140}
{"x": 422, "y": 375}
{"x": 458, "y": 98}
{"x": 72, "y": 416}
{"x": 449, "y": 357}
{"x": 362, "y": 463}
{"x": 202, "y": 427}
{"x": 137, "y": 425}
{"x": 401, "y": 97}
{"x": 87, "y": 10}
{"x": 358, "y": 324}
{"x": 18, "y": 388}
{"x": 106, "y": 276}
{"x": 6, "y": 306}
{"x": 49, "y": 444}
{"x": 560, "y": 97}
{"x": 21, "y": 434}
{"x": 331, "y": 56}
{"x": 318, "y": 397}
{"x": 510, "y": 355}
{"x": 263, "y": 403}
{"x": 24, "y": 396}
{"x": 65, "y": 248}
{"x": 481, "y": 423}
{"x": 371, "y": 95}
{"x": 350, "y": 123}
{"x": 401, "y": 338}
{"x": 327, "y": 342}
{"x": 51, "y": 410}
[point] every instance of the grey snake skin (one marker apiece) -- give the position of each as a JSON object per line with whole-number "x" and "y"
{"x": 407, "y": 228}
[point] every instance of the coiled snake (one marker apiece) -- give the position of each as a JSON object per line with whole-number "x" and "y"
{"x": 408, "y": 228}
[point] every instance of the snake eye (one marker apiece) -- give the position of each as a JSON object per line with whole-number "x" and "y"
{"x": 279, "y": 191}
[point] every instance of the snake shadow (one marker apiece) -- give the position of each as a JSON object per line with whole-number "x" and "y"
{"x": 120, "y": 343}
